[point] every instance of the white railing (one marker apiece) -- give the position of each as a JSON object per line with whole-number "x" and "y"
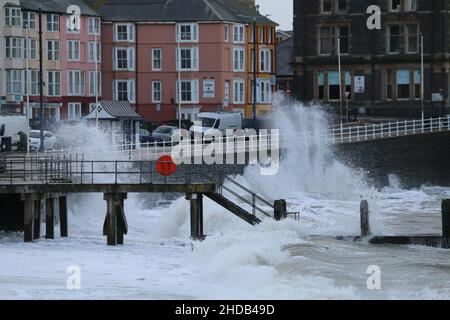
{"x": 344, "y": 134}
{"x": 350, "y": 134}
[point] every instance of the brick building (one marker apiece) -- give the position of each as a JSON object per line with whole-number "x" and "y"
{"x": 381, "y": 68}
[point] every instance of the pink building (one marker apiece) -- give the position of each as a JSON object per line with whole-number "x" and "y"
{"x": 68, "y": 58}
{"x": 147, "y": 47}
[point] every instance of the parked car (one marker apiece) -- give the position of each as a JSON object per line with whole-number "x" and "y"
{"x": 35, "y": 140}
{"x": 145, "y": 136}
{"x": 222, "y": 121}
{"x": 185, "y": 124}
{"x": 163, "y": 133}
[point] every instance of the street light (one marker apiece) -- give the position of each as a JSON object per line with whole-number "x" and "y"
{"x": 41, "y": 87}
{"x": 27, "y": 84}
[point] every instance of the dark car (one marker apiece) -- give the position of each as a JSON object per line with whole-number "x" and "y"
{"x": 145, "y": 136}
{"x": 185, "y": 124}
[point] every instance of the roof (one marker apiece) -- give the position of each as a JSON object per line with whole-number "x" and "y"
{"x": 112, "y": 109}
{"x": 285, "y": 56}
{"x": 176, "y": 11}
{"x": 56, "y": 6}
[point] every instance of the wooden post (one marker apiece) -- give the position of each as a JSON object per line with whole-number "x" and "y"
{"x": 50, "y": 218}
{"x": 111, "y": 213}
{"x": 63, "y": 216}
{"x": 365, "y": 224}
{"x": 37, "y": 219}
{"x": 28, "y": 218}
{"x": 115, "y": 206}
{"x": 197, "y": 217}
{"x": 280, "y": 210}
{"x": 446, "y": 218}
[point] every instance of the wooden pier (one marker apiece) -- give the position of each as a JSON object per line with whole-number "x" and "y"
{"x": 41, "y": 181}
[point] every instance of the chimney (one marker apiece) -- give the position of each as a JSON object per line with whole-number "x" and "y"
{"x": 248, "y": 3}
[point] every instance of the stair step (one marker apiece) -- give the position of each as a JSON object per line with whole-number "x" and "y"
{"x": 233, "y": 208}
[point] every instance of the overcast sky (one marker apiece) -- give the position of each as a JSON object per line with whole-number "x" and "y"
{"x": 281, "y": 11}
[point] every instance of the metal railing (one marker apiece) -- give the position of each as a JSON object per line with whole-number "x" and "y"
{"x": 389, "y": 129}
{"x": 75, "y": 169}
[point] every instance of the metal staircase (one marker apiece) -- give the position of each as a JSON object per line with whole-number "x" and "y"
{"x": 226, "y": 197}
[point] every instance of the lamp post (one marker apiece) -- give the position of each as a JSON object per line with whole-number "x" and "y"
{"x": 41, "y": 87}
{"x": 422, "y": 79}
{"x": 340, "y": 81}
{"x": 179, "y": 75}
{"x": 96, "y": 83}
{"x": 27, "y": 85}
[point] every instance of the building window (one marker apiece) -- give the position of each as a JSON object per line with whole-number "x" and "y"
{"x": 73, "y": 50}
{"x": 326, "y": 40}
{"x": 227, "y": 33}
{"x": 30, "y": 49}
{"x": 326, "y": 6}
{"x": 403, "y": 84}
{"x": 14, "y": 81}
{"x": 261, "y": 34}
{"x": 238, "y": 92}
{"x": 14, "y": 47}
{"x": 348, "y": 84}
{"x": 156, "y": 91}
{"x": 343, "y": 33}
{"x": 187, "y": 32}
{"x": 265, "y": 60}
{"x": 94, "y": 26}
{"x": 29, "y": 20}
{"x": 54, "y": 83}
{"x": 124, "y": 90}
{"x": 412, "y": 38}
{"x": 389, "y": 84}
{"x": 53, "y": 53}
{"x": 320, "y": 85}
{"x": 269, "y": 35}
{"x": 393, "y": 39}
{"x": 238, "y": 59}
{"x": 394, "y": 5}
{"x": 12, "y": 17}
{"x": 265, "y": 91}
{"x": 74, "y": 111}
{"x": 417, "y": 84}
{"x": 93, "y": 81}
{"x": 188, "y": 57}
{"x": 239, "y": 34}
{"x": 341, "y": 5}
{"x": 95, "y": 52}
{"x": 52, "y": 23}
{"x": 124, "y": 32}
{"x": 156, "y": 59}
{"x": 32, "y": 82}
{"x": 189, "y": 91}
{"x": 333, "y": 85}
{"x": 124, "y": 59}
{"x": 410, "y": 5}
{"x": 76, "y": 83}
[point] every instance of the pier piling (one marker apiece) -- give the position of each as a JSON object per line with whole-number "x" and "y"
{"x": 446, "y": 218}
{"x": 197, "y": 216}
{"x": 115, "y": 226}
{"x": 28, "y": 218}
{"x": 280, "y": 210}
{"x": 37, "y": 219}
{"x": 365, "y": 223}
{"x": 63, "y": 217}
{"x": 50, "y": 218}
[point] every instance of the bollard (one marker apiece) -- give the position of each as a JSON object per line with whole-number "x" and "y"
{"x": 446, "y": 218}
{"x": 280, "y": 209}
{"x": 365, "y": 224}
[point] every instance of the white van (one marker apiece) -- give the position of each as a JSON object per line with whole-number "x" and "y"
{"x": 222, "y": 121}
{"x": 13, "y": 125}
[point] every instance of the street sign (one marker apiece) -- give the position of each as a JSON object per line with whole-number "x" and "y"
{"x": 437, "y": 97}
{"x": 165, "y": 166}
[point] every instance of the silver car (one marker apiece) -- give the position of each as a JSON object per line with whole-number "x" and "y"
{"x": 163, "y": 133}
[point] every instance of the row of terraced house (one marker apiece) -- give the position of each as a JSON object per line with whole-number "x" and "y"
{"x": 157, "y": 55}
